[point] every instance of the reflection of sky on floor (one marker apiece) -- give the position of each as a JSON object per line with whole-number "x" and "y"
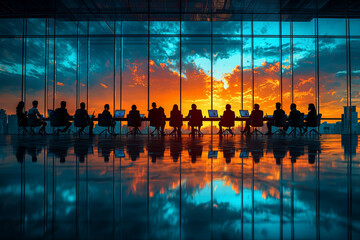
{"x": 170, "y": 188}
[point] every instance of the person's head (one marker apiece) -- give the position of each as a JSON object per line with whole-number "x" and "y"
{"x": 63, "y": 104}
{"x": 82, "y": 105}
{"x": 133, "y": 107}
{"x": 35, "y": 103}
{"x": 20, "y": 105}
{"x": 107, "y": 107}
{"x": 312, "y": 107}
{"x": 257, "y": 106}
{"x": 193, "y": 106}
{"x": 161, "y": 109}
{"x": 175, "y": 107}
{"x": 293, "y": 106}
{"x": 228, "y": 107}
{"x": 278, "y": 106}
{"x": 153, "y": 104}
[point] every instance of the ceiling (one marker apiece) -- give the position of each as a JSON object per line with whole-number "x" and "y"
{"x": 170, "y": 9}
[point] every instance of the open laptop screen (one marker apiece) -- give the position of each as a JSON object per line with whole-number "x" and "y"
{"x": 119, "y": 113}
{"x": 244, "y": 113}
{"x": 213, "y": 113}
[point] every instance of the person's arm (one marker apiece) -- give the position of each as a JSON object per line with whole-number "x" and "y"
{"x": 37, "y": 113}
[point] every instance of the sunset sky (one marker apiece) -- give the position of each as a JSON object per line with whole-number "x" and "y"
{"x": 164, "y": 71}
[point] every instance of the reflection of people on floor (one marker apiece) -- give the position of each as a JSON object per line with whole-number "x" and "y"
{"x": 156, "y": 149}
{"x": 134, "y": 148}
{"x": 82, "y": 147}
{"x": 20, "y": 153}
{"x": 256, "y": 148}
{"x": 228, "y": 149}
{"x": 314, "y": 148}
{"x": 59, "y": 148}
{"x": 175, "y": 148}
{"x": 195, "y": 150}
{"x": 296, "y": 149}
{"x": 279, "y": 148}
{"x": 105, "y": 147}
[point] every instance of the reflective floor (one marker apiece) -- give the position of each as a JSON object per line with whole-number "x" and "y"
{"x": 202, "y": 188}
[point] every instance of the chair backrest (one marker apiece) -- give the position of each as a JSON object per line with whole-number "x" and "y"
{"x": 32, "y": 120}
{"x": 281, "y": 121}
{"x": 134, "y": 119}
{"x": 228, "y": 120}
{"x": 176, "y": 119}
{"x": 318, "y": 120}
{"x": 104, "y": 120}
{"x": 56, "y": 119}
{"x": 155, "y": 117}
{"x": 196, "y": 118}
{"x": 79, "y": 120}
{"x": 298, "y": 120}
{"x": 257, "y": 119}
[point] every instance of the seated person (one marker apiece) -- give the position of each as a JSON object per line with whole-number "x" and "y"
{"x": 255, "y": 115}
{"x": 63, "y": 116}
{"x": 176, "y": 119}
{"x": 134, "y": 119}
{"x": 277, "y": 117}
{"x": 162, "y": 119}
{"x": 21, "y": 114}
{"x": 310, "y": 120}
{"x": 294, "y": 113}
{"x": 35, "y": 119}
{"x": 227, "y": 119}
{"x": 155, "y": 116}
{"x": 82, "y": 119}
{"x": 107, "y": 113}
{"x": 195, "y": 116}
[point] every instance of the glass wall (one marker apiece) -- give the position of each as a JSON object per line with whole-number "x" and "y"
{"x": 209, "y": 60}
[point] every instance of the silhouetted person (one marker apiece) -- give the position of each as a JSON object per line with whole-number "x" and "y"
{"x": 255, "y": 115}
{"x": 310, "y": 120}
{"x": 21, "y": 114}
{"x": 35, "y": 119}
{"x": 296, "y": 149}
{"x": 81, "y": 148}
{"x": 195, "y": 120}
{"x": 227, "y": 119}
{"x": 60, "y": 150}
{"x": 278, "y": 115}
{"x": 162, "y": 120}
{"x": 294, "y": 113}
{"x": 134, "y": 120}
{"x": 63, "y": 116}
{"x": 83, "y": 120}
{"x": 228, "y": 151}
{"x": 106, "y": 113}
{"x": 133, "y": 149}
{"x": 155, "y": 118}
{"x": 176, "y": 119}
{"x": 314, "y": 148}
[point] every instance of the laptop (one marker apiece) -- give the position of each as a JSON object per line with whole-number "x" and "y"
{"x": 270, "y": 116}
{"x": 244, "y": 113}
{"x": 213, "y": 113}
{"x": 50, "y": 111}
{"x": 119, "y": 153}
{"x": 142, "y": 115}
{"x": 212, "y": 154}
{"x": 119, "y": 113}
{"x": 244, "y": 154}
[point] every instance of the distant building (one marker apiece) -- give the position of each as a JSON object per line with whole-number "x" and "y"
{"x": 349, "y": 120}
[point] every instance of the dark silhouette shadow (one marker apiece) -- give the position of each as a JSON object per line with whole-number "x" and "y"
{"x": 227, "y": 120}
{"x": 82, "y": 120}
{"x": 134, "y": 120}
{"x": 255, "y": 120}
{"x": 195, "y": 150}
{"x": 176, "y": 148}
{"x": 195, "y": 120}
{"x": 156, "y": 149}
{"x": 176, "y": 120}
{"x": 82, "y": 148}
{"x": 60, "y": 148}
{"x": 134, "y": 148}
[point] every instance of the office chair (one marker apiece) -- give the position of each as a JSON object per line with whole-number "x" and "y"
{"x": 196, "y": 121}
{"x": 313, "y": 131}
{"x": 56, "y": 122}
{"x": 176, "y": 122}
{"x": 80, "y": 124}
{"x": 280, "y": 123}
{"x": 135, "y": 122}
{"x": 33, "y": 123}
{"x": 298, "y": 123}
{"x": 105, "y": 121}
{"x": 228, "y": 123}
{"x": 256, "y": 122}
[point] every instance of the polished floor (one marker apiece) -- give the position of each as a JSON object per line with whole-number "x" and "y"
{"x": 187, "y": 188}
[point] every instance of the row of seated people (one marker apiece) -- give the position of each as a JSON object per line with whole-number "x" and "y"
{"x": 60, "y": 117}
{"x": 279, "y": 119}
